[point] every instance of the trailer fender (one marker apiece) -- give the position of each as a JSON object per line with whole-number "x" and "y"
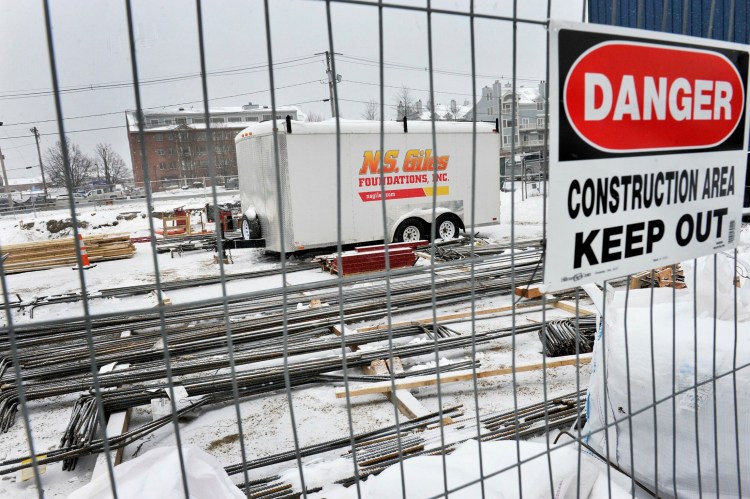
{"x": 250, "y": 213}
{"x": 250, "y": 225}
{"x": 424, "y": 214}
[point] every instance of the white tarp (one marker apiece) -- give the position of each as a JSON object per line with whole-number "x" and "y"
{"x": 423, "y": 475}
{"x": 654, "y": 443}
{"x": 156, "y": 475}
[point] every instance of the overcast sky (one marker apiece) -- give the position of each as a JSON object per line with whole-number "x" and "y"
{"x": 93, "y": 60}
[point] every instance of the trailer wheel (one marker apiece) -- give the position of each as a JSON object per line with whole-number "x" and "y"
{"x": 410, "y": 230}
{"x": 250, "y": 228}
{"x": 447, "y": 226}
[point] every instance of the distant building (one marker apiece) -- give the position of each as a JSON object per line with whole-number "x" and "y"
{"x": 26, "y": 184}
{"x": 497, "y": 103}
{"x": 176, "y": 141}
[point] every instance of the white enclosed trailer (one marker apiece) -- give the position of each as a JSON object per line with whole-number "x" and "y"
{"x": 308, "y": 178}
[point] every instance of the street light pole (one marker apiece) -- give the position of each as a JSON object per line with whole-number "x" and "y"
{"x": 35, "y": 131}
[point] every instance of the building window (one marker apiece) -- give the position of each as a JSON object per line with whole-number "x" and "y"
{"x": 217, "y": 120}
{"x": 201, "y": 136}
{"x": 160, "y": 152}
{"x": 158, "y": 137}
{"x": 489, "y": 110}
{"x": 154, "y": 122}
{"x": 170, "y": 151}
{"x": 251, "y": 118}
{"x": 508, "y": 123}
{"x": 235, "y": 119}
{"x": 266, "y": 117}
{"x": 540, "y": 122}
{"x": 167, "y": 122}
{"x": 203, "y": 163}
{"x": 540, "y": 105}
{"x": 162, "y": 166}
{"x": 199, "y": 120}
{"x": 201, "y": 149}
{"x": 173, "y": 165}
{"x": 181, "y": 121}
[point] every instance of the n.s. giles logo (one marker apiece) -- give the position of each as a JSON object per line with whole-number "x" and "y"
{"x": 624, "y": 97}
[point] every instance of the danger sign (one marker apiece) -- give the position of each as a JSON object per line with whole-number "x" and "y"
{"x": 648, "y": 141}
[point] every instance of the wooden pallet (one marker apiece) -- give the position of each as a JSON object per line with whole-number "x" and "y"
{"x": 42, "y": 255}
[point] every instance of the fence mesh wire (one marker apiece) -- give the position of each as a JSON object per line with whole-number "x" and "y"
{"x": 300, "y": 385}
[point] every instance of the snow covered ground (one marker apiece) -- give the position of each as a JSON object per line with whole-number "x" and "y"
{"x": 265, "y": 421}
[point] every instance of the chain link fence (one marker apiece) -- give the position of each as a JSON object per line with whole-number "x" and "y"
{"x": 461, "y": 376}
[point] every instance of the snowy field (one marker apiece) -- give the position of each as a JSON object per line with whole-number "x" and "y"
{"x": 266, "y": 421}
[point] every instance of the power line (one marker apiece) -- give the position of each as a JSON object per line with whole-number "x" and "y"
{"x": 161, "y": 106}
{"x": 155, "y": 81}
{"x": 408, "y": 67}
{"x": 124, "y": 126}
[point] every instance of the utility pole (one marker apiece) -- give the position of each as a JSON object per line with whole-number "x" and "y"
{"x": 329, "y": 72}
{"x": 5, "y": 180}
{"x": 35, "y": 131}
{"x": 5, "y": 177}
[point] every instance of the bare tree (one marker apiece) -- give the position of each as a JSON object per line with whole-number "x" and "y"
{"x": 406, "y": 104}
{"x": 372, "y": 110}
{"x": 80, "y": 165}
{"x": 312, "y": 116}
{"x": 115, "y": 170}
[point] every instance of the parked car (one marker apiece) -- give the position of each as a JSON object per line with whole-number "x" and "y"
{"x": 98, "y": 194}
{"x": 77, "y": 197}
{"x": 138, "y": 192}
{"x": 232, "y": 183}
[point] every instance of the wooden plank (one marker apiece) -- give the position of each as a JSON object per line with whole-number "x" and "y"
{"x": 410, "y": 406}
{"x": 376, "y": 368}
{"x": 336, "y": 329}
{"x": 459, "y": 315}
{"x": 571, "y": 308}
{"x": 117, "y": 424}
{"x": 407, "y": 404}
{"x": 451, "y": 377}
{"x": 529, "y": 293}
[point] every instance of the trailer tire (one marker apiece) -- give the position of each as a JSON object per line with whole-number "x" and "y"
{"x": 447, "y": 226}
{"x": 410, "y": 230}
{"x": 250, "y": 228}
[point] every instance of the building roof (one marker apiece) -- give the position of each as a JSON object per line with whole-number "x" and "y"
{"x": 526, "y": 95}
{"x": 132, "y": 120}
{"x": 25, "y": 180}
{"x": 365, "y": 126}
{"x": 443, "y": 112}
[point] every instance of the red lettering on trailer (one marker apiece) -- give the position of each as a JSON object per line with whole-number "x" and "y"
{"x": 629, "y": 97}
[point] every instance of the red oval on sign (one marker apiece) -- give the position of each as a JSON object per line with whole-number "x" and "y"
{"x": 631, "y": 97}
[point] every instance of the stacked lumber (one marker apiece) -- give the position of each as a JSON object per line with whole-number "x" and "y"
{"x": 365, "y": 259}
{"x": 41, "y": 255}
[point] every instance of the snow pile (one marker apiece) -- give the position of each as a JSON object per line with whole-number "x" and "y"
{"x": 700, "y": 335}
{"x": 423, "y": 475}
{"x": 156, "y": 475}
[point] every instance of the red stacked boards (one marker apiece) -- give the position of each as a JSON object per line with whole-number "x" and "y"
{"x": 372, "y": 258}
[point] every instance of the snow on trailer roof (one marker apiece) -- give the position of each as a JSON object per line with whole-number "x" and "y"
{"x": 365, "y": 126}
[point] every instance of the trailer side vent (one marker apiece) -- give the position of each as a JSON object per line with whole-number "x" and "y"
{"x": 406, "y": 128}
{"x": 288, "y": 124}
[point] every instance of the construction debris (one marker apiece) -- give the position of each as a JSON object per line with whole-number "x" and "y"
{"x": 660, "y": 277}
{"x": 26, "y": 257}
{"x": 568, "y": 336}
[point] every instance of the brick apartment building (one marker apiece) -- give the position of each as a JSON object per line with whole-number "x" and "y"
{"x": 176, "y": 142}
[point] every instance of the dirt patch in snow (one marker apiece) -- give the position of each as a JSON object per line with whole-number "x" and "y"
{"x": 55, "y": 226}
